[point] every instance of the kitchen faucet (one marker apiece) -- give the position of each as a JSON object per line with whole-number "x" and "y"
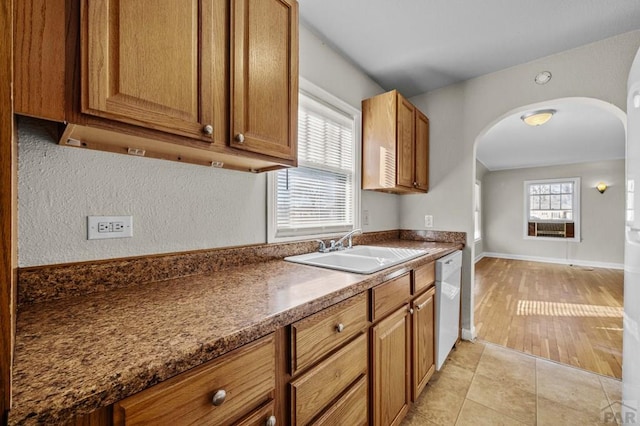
{"x": 338, "y": 245}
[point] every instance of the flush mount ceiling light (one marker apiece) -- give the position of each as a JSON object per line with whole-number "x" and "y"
{"x": 539, "y": 117}
{"x": 543, "y": 77}
{"x": 601, "y": 187}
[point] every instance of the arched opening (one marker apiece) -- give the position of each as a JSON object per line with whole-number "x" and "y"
{"x": 550, "y": 278}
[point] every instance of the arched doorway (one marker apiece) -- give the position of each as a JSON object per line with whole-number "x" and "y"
{"x": 555, "y": 274}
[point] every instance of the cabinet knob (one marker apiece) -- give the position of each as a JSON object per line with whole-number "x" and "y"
{"x": 340, "y": 328}
{"x": 219, "y": 397}
{"x": 271, "y": 421}
{"x": 411, "y": 311}
{"x": 416, "y": 184}
{"x": 208, "y": 129}
{"x": 240, "y": 138}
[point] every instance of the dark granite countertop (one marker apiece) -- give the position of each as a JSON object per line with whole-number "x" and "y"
{"x": 77, "y": 354}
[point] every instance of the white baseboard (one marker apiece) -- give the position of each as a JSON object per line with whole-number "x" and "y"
{"x": 589, "y": 263}
{"x": 479, "y": 257}
{"x": 468, "y": 334}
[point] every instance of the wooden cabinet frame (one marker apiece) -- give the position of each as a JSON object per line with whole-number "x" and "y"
{"x": 50, "y": 36}
{"x": 395, "y": 145}
{"x": 8, "y": 209}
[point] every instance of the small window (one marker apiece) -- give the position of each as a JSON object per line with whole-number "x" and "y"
{"x": 552, "y": 209}
{"x": 321, "y": 196}
{"x": 476, "y": 213}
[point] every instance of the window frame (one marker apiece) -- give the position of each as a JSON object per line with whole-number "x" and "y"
{"x": 316, "y": 93}
{"x": 477, "y": 210}
{"x": 576, "y": 209}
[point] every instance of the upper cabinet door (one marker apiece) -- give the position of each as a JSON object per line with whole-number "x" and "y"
{"x": 422, "y": 151}
{"x": 153, "y": 63}
{"x": 264, "y": 100}
{"x": 406, "y": 139}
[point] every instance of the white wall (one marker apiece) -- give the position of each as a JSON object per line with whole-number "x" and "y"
{"x": 460, "y": 113}
{"x": 175, "y": 206}
{"x": 602, "y": 215}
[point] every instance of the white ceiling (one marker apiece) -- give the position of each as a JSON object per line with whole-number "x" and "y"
{"x": 580, "y": 131}
{"x": 420, "y": 45}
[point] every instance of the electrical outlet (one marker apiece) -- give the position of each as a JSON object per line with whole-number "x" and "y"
{"x": 428, "y": 221}
{"x": 101, "y": 227}
{"x": 365, "y": 217}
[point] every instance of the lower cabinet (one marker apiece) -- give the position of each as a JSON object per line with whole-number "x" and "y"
{"x": 329, "y": 365}
{"x": 390, "y": 368}
{"x": 423, "y": 339}
{"x": 237, "y": 388}
{"x": 402, "y": 343}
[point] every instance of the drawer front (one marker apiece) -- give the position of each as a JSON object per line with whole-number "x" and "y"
{"x": 350, "y": 410}
{"x": 314, "y": 390}
{"x": 247, "y": 375}
{"x": 260, "y": 417}
{"x": 424, "y": 277}
{"x": 315, "y": 336}
{"x": 388, "y": 296}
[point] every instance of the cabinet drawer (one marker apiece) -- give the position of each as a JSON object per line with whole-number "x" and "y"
{"x": 314, "y": 390}
{"x": 388, "y": 296}
{"x": 350, "y": 410}
{"x": 315, "y": 336}
{"x": 260, "y": 416}
{"x": 247, "y": 375}
{"x": 423, "y": 277}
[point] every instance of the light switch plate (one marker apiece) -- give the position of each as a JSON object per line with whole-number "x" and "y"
{"x": 101, "y": 227}
{"x": 428, "y": 221}
{"x": 365, "y": 217}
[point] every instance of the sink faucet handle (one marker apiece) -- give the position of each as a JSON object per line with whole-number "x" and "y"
{"x": 322, "y": 248}
{"x": 332, "y": 245}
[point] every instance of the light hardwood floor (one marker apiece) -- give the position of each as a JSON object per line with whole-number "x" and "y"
{"x": 568, "y": 314}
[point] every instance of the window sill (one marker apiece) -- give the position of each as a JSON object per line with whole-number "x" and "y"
{"x": 573, "y": 240}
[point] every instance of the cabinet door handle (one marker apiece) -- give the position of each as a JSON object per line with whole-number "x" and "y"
{"x": 240, "y": 138}
{"x": 219, "y": 397}
{"x": 271, "y": 421}
{"x": 340, "y": 328}
{"x": 208, "y": 129}
{"x": 422, "y": 305}
{"x": 416, "y": 184}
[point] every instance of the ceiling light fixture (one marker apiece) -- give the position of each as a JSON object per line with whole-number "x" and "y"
{"x": 601, "y": 187}
{"x": 539, "y": 117}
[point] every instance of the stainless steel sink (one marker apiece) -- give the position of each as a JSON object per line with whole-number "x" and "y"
{"x": 359, "y": 259}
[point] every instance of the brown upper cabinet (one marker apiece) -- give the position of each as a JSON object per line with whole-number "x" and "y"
{"x": 395, "y": 145}
{"x": 211, "y": 82}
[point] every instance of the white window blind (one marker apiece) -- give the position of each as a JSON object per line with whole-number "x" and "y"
{"x": 318, "y": 196}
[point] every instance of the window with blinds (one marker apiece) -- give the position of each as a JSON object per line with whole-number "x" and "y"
{"x": 552, "y": 208}
{"x": 477, "y": 224}
{"x": 319, "y": 197}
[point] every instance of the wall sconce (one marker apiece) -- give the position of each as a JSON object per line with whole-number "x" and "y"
{"x": 601, "y": 187}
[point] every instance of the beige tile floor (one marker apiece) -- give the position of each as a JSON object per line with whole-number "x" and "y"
{"x": 485, "y": 384}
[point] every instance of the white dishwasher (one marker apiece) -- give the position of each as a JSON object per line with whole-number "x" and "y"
{"x": 447, "y": 304}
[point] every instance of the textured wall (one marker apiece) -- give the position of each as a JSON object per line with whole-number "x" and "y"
{"x": 602, "y": 215}
{"x": 175, "y": 206}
